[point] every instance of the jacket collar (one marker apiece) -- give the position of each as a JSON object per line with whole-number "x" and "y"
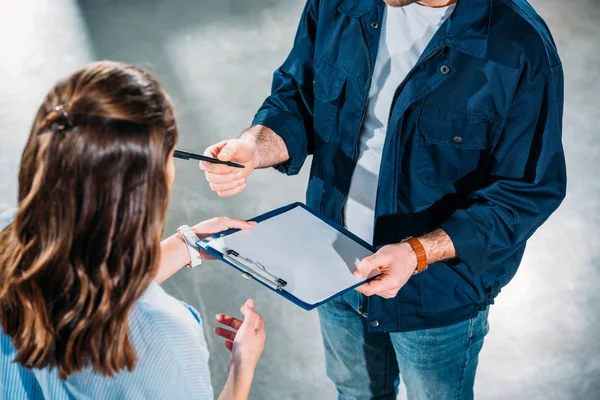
{"x": 467, "y": 29}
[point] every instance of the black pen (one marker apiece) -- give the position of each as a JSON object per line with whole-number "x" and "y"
{"x": 184, "y": 155}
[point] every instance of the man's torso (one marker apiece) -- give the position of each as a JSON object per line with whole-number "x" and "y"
{"x": 405, "y": 33}
{"x": 444, "y": 122}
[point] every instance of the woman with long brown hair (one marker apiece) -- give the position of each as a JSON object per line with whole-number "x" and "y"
{"x": 81, "y": 311}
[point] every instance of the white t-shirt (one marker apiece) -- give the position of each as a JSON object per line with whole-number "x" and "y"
{"x": 406, "y": 32}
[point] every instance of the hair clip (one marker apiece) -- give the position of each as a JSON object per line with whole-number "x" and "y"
{"x": 57, "y": 126}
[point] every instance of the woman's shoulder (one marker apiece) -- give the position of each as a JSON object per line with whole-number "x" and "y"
{"x": 172, "y": 355}
{"x": 157, "y": 316}
{"x": 165, "y": 332}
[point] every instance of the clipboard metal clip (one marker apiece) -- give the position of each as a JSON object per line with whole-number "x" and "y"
{"x": 253, "y": 269}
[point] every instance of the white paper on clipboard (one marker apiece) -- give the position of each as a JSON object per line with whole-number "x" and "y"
{"x": 315, "y": 259}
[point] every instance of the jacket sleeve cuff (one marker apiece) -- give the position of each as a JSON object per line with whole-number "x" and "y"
{"x": 293, "y": 133}
{"x": 469, "y": 244}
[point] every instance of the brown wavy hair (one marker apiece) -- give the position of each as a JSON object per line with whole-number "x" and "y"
{"x": 85, "y": 242}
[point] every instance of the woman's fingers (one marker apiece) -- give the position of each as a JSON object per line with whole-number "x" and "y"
{"x": 259, "y": 324}
{"x": 248, "y": 312}
{"x": 234, "y": 223}
{"x": 248, "y": 306}
{"x": 206, "y": 256}
{"x": 252, "y": 318}
{"x": 225, "y": 333}
{"x": 248, "y": 330}
{"x": 229, "y": 321}
{"x": 219, "y": 224}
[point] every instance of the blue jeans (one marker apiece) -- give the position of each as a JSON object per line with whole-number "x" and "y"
{"x": 436, "y": 363}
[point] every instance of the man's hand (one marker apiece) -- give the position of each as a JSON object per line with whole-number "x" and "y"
{"x": 257, "y": 147}
{"x": 396, "y": 262}
{"x": 223, "y": 179}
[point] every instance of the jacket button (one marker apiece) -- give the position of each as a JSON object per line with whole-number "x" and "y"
{"x": 444, "y": 69}
{"x": 374, "y": 25}
{"x": 374, "y": 323}
{"x": 457, "y": 140}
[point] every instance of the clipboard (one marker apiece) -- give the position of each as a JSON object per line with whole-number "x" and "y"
{"x": 295, "y": 252}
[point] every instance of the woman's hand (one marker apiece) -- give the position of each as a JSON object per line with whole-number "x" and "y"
{"x": 216, "y": 225}
{"x": 174, "y": 251}
{"x": 246, "y": 345}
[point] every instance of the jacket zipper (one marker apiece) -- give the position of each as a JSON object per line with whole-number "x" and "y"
{"x": 362, "y": 118}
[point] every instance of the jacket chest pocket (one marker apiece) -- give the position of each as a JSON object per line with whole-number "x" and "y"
{"x": 328, "y": 84}
{"x": 453, "y": 144}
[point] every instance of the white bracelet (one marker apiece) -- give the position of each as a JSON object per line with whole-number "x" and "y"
{"x": 190, "y": 239}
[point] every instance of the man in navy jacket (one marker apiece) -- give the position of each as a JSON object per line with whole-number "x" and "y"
{"x": 469, "y": 163}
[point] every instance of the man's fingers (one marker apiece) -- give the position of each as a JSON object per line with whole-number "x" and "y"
{"x": 390, "y": 294}
{"x": 225, "y": 333}
{"x": 220, "y": 187}
{"x": 215, "y": 149}
{"x": 229, "y": 345}
{"x": 227, "y": 152}
{"x": 364, "y": 289}
{"x": 229, "y": 321}
{"x": 231, "y": 192}
{"x": 215, "y": 168}
{"x": 368, "y": 264}
{"x": 224, "y": 151}
{"x": 223, "y": 178}
{"x": 376, "y": 286}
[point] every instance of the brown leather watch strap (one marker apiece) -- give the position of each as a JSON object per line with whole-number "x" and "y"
{"x": 421, "y": 254}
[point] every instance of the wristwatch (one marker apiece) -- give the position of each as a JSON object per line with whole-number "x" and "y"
{"x": 190, "y": 239}
{"x": 421, "y": 254}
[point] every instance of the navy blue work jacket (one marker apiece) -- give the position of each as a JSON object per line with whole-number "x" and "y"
{"x": 473, "y": 142}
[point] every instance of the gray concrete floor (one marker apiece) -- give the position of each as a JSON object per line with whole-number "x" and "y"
{"x": 216, "y": 58}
